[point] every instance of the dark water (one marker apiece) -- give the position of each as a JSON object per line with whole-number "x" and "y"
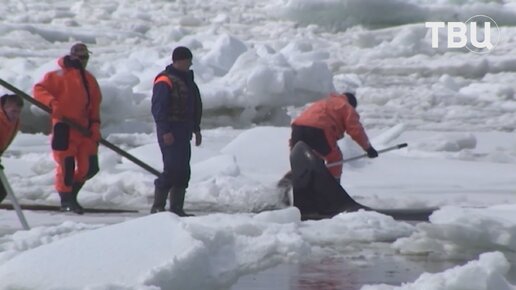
{"x": 343, "y": 273}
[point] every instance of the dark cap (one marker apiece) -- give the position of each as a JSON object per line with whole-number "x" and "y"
{"x": 79, "y": 49}
{"x": 352, "y": 100}
{"x": 11, "y": 98}
{"x": 181, "y": 53}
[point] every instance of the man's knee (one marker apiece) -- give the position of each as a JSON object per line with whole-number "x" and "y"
{"x": 177, "y": 177}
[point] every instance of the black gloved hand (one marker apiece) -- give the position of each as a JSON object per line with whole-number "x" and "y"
{"x": 371, "y": 152}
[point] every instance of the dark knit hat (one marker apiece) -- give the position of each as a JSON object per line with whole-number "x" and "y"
{"x": 11, "y": 98}
{"x": 181, "y": 53}
{"x": 79, "y": 49}
{"x": 351, "y": 99}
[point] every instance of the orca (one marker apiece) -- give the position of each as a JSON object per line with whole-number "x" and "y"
{"x": 318, "y": 195}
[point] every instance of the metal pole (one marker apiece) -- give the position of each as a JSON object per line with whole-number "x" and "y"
{"x": 13, "y": 199}
{"x": 81, "y": 129}
{"x": 399, "y": 146}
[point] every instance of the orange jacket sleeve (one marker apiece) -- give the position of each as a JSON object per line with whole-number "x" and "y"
{"x": 46, "y": 90}
{"x": 354, "y": 128}
{"x": 96, "y": 99}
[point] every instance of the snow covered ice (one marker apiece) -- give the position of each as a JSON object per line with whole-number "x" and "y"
{"x": 258, "y": 64}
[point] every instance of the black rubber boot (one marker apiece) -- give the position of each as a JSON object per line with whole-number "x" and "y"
{"x": 177, "y": 201}
{"x": 76, "y": 187}
{"x": 160, "y": 199}
{"x": 68, "y": 205}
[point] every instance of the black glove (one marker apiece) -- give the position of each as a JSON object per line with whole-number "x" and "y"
{"x": 371, "y": 152}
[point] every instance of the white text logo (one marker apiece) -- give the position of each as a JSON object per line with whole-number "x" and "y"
{"x": 458, "y": 35}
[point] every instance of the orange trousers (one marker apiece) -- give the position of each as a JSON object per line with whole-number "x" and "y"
{"x": 75, "y": 156}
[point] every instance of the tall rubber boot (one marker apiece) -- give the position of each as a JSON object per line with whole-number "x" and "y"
{"x": 76, "y": 187}
{"x": 67, "y": 203}
{"x": 160, "y": 199}
{"x": 177, "y": 200}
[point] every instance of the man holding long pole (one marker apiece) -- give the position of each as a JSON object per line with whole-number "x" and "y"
{"x": 72, "y": 93}
{"x": 11, "y": 106}
{"x": 321, "y": 125}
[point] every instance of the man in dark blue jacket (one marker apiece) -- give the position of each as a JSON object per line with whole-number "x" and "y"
{"x": 177, "y": 111}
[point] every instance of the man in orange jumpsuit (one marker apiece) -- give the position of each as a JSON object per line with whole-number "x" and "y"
{"x": 322, "y": 124}
{"x": 72, "y": 93}
{"x": 9, "y": 126}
